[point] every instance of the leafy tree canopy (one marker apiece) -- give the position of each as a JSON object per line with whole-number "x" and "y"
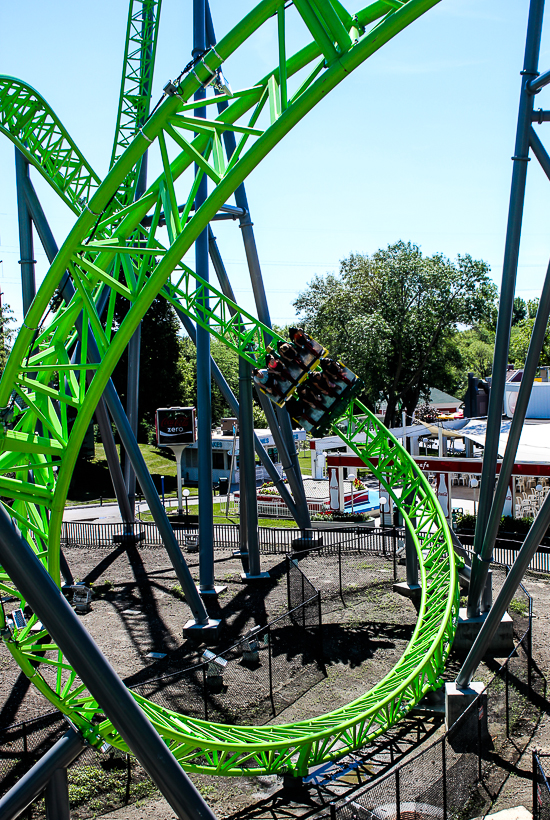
{"x": 392, "y": 316}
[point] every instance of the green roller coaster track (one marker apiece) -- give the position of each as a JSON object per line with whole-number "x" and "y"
{"x": 51, "y": 385}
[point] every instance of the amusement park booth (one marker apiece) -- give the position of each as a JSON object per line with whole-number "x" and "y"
{"x": 222, "y": 452}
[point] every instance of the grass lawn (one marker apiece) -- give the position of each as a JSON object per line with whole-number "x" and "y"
{"x": 91, "y": 479}
{"x": 304, "y": 459}
{"x": 219, "y": 517}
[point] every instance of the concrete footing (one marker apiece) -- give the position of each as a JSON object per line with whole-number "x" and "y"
{"x": 412, "y": 591}
{"x": 216, "y": 590}
{"x": 207, "y": 633}
{"x": 457, "y": 701}
{"x": 468, "y": 628}
{"x": 262, "y": 576}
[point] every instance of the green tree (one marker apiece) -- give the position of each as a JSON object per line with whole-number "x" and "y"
{"x": 391, "y": 317}
{"x": 7, "y": 332}
{"x": 161, "y": 378}
{"x": 519, "y": 311}
{"x": 476, "y": 348}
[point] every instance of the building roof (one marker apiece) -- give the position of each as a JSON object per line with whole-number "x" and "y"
{"x": 439, "y": 397}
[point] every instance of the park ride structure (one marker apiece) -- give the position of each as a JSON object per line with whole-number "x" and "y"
{"x": 59, "y": 370}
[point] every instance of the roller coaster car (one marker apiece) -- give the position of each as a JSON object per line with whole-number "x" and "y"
{"x": 323, "y": 396}
{"x": 287, "y": 366}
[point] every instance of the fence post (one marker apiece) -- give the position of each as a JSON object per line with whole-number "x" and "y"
{"x": 288, "y": 569}
{"x": 535, "y": 784}
{"x": 332, "y": 807}
{"x": 444, "y": 776}
{"x": 397, "y": 796}
{"x": 340, "y": 572}
{"x": 394, "y": 539}
{"x": 506, "y": 698}
{"x": 128, "y": 778}
{"x": 270, "y": 670}
{"x": 479, "y": 721}
{"x": 530, "y": 644}
{"x": 204, "y": 691}
{"x": 320, "y": 621}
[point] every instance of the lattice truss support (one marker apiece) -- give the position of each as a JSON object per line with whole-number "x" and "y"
{"x": 65, "y": 353}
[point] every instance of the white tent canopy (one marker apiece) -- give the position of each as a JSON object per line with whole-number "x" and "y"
{"x": 534, "y": 443}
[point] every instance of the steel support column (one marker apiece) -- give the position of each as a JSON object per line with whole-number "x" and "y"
{"x": 204, "y": 396}
{"x": 247, "y": 468}
{"x": 96, "y": 673}
{"x": 513, "y": 580}
{"x": 231, "y": 399}
{"x": 57, "y": 796}
{"x": 480, "y": 565}
{"x": 50, "y": 248}
{"x": 279, "y": 420}
{"x": 529, "y": 372}
{"x": 26, "y": 245}
{"x": 33, "y": 783}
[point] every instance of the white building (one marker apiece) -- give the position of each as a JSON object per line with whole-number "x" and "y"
{"x": 222, "y": 450}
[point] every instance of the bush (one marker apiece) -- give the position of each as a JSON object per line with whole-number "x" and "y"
{"x": 338, "y": 516}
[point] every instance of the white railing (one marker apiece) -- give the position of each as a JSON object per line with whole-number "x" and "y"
{"x": 277, "y": 510}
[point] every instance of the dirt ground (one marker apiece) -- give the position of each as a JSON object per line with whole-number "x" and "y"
{"x": 138, "y": 609}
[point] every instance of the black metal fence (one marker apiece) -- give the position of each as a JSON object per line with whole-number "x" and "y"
{"x": 541, "y": 788}
{"x": 461, "y": 773}
{"x": 506, "y": 550}
{"x": 263, "y": 673}
{"x": 272, "y": 540}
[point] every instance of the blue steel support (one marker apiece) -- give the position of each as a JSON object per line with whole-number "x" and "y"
{"x": 529, "y": 372}
{"x": 204, "y": 398}
{"x": 134, "y": 348}
{"x": 234, "y": 405}
{"x": 247, "y": 469}
{"x": 482, "y": 552}
{"x": 97, "y": 675}
{"x": 33, "y": 783}
{"x": 50, "y": 247}
{"x": 278, "y": 420}
{"x": 57, "y": 796}
{"x": 26, "y": 245}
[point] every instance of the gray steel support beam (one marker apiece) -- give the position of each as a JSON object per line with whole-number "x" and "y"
{"x": 204, "y": 396}
{"x": 128, "y": 440}
{"x": 279, "y": 420}
{"x": 247, "y": 467}
{"x": 132, "y": 405}
{"x": 480, "y": 565}
{"x": 50, "y": 248}
{"x": 539, "y": 151}
{"x": 96, "y": 673}
{"x": 26, "y": 245}
{"x": 529, "y": 373}
{"x": 156, "y": 507}
{"x": 231, "y": 399}
{"x": 57, "y": 796}
{"x": 513, "y": 580}
{"x": 33, "y": 783}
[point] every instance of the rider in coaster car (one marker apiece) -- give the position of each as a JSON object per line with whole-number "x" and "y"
{"x": 310, "y": 395}
{"x": 320, "y": 381}
{"x": 300, "y": 338}
{"x": 334, "y": 370}
{"x": 277, "y": 368}
{"x": 268, "y": 381}
{"x": 299, "y": 411}
{"x": 290, "y": 355}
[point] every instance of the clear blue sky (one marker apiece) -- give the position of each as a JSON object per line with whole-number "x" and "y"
{"x": 415, "y": 145}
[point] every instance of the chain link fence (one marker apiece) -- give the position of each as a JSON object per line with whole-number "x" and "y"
{"x": 460, "y": 774}
{"x": 251, "y": 682}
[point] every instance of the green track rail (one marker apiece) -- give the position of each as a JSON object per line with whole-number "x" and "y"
{"x": 49, "y": 402}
